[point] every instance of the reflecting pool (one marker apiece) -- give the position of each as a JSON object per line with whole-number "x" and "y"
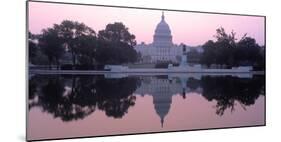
{"x": 64, "y": 106}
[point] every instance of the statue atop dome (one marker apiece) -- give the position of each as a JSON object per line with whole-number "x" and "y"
{"x": 163, "y": 17}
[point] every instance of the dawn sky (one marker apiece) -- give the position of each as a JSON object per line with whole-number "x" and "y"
{"x": 188, "y": 28}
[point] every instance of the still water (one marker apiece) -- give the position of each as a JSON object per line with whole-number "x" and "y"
{"x": 64, "y": 106}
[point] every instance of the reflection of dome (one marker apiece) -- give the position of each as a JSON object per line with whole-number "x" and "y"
{"x": 162, "y": 36}
{"x": 162, "y": 103}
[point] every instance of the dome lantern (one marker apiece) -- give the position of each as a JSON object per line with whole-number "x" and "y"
{"x": 163, "y": 17}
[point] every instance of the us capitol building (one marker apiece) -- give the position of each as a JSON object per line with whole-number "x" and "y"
{"x": 162, "y": 48}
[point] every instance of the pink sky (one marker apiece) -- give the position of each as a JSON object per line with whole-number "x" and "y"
{"x": 187, "y": 27}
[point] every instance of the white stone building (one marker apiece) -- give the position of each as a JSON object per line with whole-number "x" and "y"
{"x": 162, "y": 48}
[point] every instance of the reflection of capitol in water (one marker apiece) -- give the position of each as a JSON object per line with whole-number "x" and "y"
{"x": 162, "y": 89}
{"x": 105, "y": 101}
{"x": 72, "y": 98}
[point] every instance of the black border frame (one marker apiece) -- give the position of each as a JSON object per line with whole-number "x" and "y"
{"x": 130, "y": 7}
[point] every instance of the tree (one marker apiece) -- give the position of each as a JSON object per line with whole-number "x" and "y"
{"x": 193, "y": 56}
{"x": 51, "y": 45}
{"x": 221, "y": 51}
{"x": 222, "y": 36}
{"x": 73, "y": 35}
{"x": 87, "y": 49}
{"x": 225, "y": 44}
{"x": 116, "y": 45}
{"x": 209, "y": 54}
{"x": 248, "y": 51}
{"x": 226, "y": 51}
{"x": 32, "y": 47}
{"x": 117, "y": 33}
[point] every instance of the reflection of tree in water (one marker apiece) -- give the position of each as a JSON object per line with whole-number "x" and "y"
{"x": 75, "y": 97}
{"x": 32, "y": 86}
{"x": 55, "y": 98}
{"x": 115, "y": 95}
{"x": 227, "y": 90}
{"x": 72, "y": 98}
{"x": 193, "y": 83}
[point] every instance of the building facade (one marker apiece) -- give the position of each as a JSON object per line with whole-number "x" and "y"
{"x": 162, "y": 49}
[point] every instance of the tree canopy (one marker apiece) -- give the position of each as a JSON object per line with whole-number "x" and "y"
{"x": 113, "y": 45}
{"x": 74, "y": 35}
{"x": 226, "y": 50}
{"x": 117, "y": 33}
{"x": 116, "y": 45}
{"x": 51, "y": 45}
{"x": 32, "y": 47}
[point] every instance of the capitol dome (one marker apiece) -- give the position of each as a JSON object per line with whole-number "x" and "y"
{"x": 162, "y": 36}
